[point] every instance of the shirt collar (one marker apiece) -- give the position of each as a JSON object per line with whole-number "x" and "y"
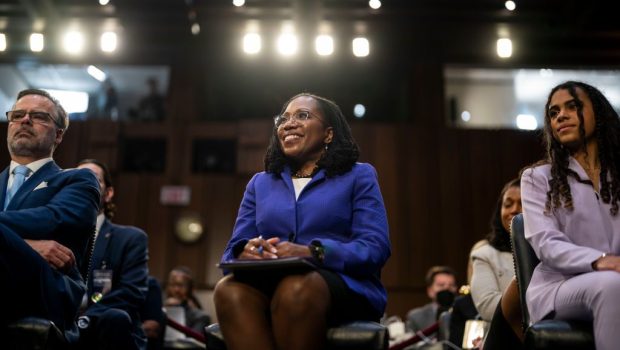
{"x": 34, "y": 166}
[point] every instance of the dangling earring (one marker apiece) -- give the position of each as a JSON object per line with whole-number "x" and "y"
{"x": 326, "y": 146}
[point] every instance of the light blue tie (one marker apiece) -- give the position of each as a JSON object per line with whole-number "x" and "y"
{"x": 19, "y": 177}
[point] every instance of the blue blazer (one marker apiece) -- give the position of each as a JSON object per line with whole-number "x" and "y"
{"x": 124, "y": 251}
{"x": 59, "y": 205}
{"x": 344, "y": 213}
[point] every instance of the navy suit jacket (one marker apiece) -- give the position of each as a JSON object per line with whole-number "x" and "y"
{"x": 59, "y": 205}
{"x": 124, "y": 251}
{"x": 344, "y": 213}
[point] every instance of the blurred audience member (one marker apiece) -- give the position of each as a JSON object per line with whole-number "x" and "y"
{"x": 438, "y": 279}
{"x": 153, "y": 316}
{"x": 107, "y": 101}
{"x": 494, "y": 288}
{"x": 117, "y": 283}
{"x": 492, "y": 264}
{"x": 180, "y": 292}
{"x": 152, "y": 106}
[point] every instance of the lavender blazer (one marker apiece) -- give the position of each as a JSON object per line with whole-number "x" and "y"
{"x": 566, "y": 241}
{"x": 345, "y": 213}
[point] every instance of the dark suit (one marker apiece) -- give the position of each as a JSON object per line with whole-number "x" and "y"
{"x": 52, "y": 204}
{"x": 123, "y": 250}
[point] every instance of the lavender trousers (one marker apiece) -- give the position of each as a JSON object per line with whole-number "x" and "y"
{"x": 593, "y": 296}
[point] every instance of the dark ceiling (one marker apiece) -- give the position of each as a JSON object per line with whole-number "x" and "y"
{"x": 403, "y": 34}
{"x": 462, "y": 31}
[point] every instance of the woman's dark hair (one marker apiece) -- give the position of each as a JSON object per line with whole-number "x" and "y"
{"x": 607, "y": 134}
{"x": 498, "y": 237}
{"x": 109, "y": 208}
{"x": 339, "y": 157}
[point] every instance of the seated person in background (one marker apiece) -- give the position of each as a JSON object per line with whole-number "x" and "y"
{"x": 463, "y": 308}
{"x": 313, "y": 200}
{"x": 570, "y": 212}
{"x": 153, "y": 316}
{"x": 48, "y": 218}
{"x": 493, "y": 286}
{"x": 493, "y": 269}
{"x": 117, "y": 278}
{"x": 180, "y": 292}
{"x": 438, "y": 279}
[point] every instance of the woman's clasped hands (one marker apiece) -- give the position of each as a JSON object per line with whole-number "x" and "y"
{"x": 272, "y": 248}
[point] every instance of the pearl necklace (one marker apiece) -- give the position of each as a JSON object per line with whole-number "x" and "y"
{"x": 301, "y": 175}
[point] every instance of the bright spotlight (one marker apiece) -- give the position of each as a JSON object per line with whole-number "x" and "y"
{"x": 108, "y": 42}
{"x": 37, "y": 42}
{"x": 238, "y": 3}
{"x": 195, "y": 28}
{"x": 2, "y": 42}
{"x": 374, "y": 4}
{"x": 510, "y": 5}
{"x": 526, "y": 122}
{"x": 361, "y": 47}
{"x": 466, "y": 116}
{"x": 104, "y": 2}
{"x": 96, "y": 73}
{"x": 252, "y": 43}
{"x": 287, "y": 44}
{"x": 324, "y": 45}
{"x": 359, "y": 110}
{"x": 73, "y": 42}
{"x": 504, "y": 47}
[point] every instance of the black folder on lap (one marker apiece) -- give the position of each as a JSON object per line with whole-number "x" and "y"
{"x": 286, "y": 265}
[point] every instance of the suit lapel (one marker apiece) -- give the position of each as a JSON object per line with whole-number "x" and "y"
{"x": 44, "y": 173}
{"x": 4, "y": 179}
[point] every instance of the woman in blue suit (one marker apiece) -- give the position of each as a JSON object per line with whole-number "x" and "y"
{"x": 312, "y": 200}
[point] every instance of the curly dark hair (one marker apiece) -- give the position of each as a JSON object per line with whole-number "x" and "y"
{"x": 109, "y": 208}
{"x": 498, "y": 237}
{"x": 341, "y": 154}
{"x": 607, "y": 134}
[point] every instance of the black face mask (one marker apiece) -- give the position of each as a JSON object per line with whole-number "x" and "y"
{"x": 445, "y": 298}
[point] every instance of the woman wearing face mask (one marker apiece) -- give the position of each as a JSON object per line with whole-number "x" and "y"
{"x": 312, "y": 200}
{"x": 570, "y": 212}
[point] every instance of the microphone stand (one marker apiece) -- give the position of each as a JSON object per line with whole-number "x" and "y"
{"x": 416, "y": 337}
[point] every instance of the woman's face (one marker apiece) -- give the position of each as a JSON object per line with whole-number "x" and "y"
{"x": 564, "y": 120}
{"x": 304, "y": 140}
{"x": 511, "y": 205}
{"x": 177, "y": 285}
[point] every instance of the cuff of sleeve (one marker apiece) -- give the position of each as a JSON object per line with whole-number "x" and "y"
{"x": 237, "y": 249}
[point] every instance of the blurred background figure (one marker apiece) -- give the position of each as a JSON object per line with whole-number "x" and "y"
{"x": 117, "y": 283}
{"x": 107, "y": 101}
{"x": 153, "y": 316}
{"x": 180, "y": 292}
{"x": 438, "y": 279}
{"x": 151, "y": 107}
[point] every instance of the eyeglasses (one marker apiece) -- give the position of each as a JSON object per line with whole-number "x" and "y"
{"x": 36, "y": 117}
{"x": 301, "y": 116}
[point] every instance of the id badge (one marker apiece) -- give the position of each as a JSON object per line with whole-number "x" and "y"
{"x": 102, "y": 283}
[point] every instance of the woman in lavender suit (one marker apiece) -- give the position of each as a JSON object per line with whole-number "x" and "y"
{"x": 570, "y": 207}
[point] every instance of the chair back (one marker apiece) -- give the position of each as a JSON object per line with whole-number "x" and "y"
{"x": 525, "y": 260}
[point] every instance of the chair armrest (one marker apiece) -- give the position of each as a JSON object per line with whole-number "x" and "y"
{"x": 558, "y": 334}
{"x": 34, "y": 333}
